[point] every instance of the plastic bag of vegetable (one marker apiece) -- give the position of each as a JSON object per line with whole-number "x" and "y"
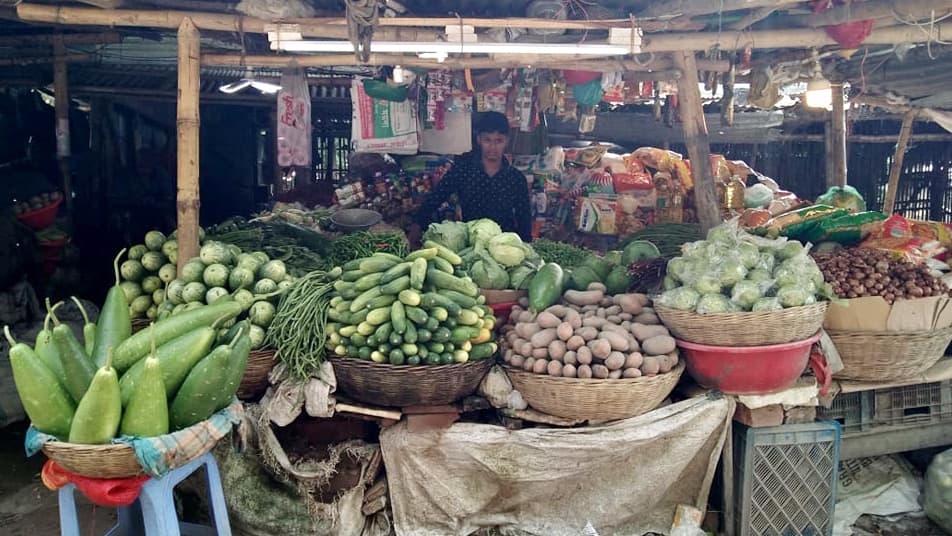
{"x": 714, "y": 303}
{"x": 758, "y": 196}
{"x": 746, "y": 293}
{"x": 767, "y": 304}
{"x": 681, "y": 298}
{"x": 937, "y": 495}
{"x": 843, "y": 197}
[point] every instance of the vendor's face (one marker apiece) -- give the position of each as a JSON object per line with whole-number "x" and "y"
{"x": 492, "y": 145}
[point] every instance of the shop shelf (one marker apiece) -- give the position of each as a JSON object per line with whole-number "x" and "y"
{"x": 785, "y": 479}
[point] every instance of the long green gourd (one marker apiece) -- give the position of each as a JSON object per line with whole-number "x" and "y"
{"x": 46, "y": 350}
{"x": 89, "y": 328}
{"x": 114, "y": 324}
{"x": 97, "y": 417}
{"x": 201, "y": 392}
{"x": 46, "y": 402}
{"x": 78, "y": 367}
{"x": 147, "y": 412}
{"x": 176, "y": 358}
{"x": 237, "y": 363}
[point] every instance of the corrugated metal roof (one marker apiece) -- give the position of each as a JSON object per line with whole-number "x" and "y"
{"x": 923, "y": 75}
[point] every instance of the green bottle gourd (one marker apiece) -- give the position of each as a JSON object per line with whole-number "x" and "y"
{"x": 176, "y": 358}
{"x": 237, "y": 363}
{"x": 201, "y": 392}
{"x": 147, "y": 413}
{"x": 46, "y": 350}
{"x": 46, "y": 402}
{"x": 114, "y": 324}
{"x": 78, "y": 367}
{"x": 99, "y": 412}
{"x": 89, "y": 328}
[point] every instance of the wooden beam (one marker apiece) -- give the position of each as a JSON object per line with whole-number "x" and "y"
{"x": 690, "y": 8}
{"x": 838, "y": 137}
{"x": 61, "y": 90}
{"x": 874, "y": 9}
{"x": 889, "y": 205}
{"x": 103, "y": 4}
{"x": 223, "y": 22}
{"x": 752, "y": 18}
{"x": 39, "y": 60}
{"x": 727, "y": 101}
{"x": 520, "y": 22}
{"x": 101, "y": 38}
{"x": 695, "y": 137}
{"x": 189, "y": 89}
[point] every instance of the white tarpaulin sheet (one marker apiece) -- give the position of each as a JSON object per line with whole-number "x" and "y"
{"x": 625, "y": 478}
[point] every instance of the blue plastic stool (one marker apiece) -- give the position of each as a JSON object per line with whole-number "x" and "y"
{"x": 153, "y": 513}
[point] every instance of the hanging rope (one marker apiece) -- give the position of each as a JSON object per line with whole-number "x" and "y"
{"x": 362, "y": 16}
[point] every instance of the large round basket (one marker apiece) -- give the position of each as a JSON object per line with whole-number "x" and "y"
{"x": 255, "y": 380}
{"x": 94, "y": 461}
{"x": 591, "y": 399}
{"x": 404, "y": 385}
{"x": 880, "y": 356}
{"x": 761, "y": 328}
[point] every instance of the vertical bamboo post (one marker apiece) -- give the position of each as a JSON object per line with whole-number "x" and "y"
{"x": 727, "y": 101}
{"x": 61, "y": 89}
{"x": 889, "y": 205}
{"x": 828, "y": 151}
{"x": 839, "y": 135}
{"x": 188, "y": 202}
{"x": 695, "y": 137}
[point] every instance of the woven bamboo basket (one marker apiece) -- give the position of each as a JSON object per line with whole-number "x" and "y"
{"x": 404, "y": 385}
{"x": 591, "y": 399}
{"x": 761, "y": 328}
{"x": 887, "y": 356}
{"x": 95, "y": 461}
{"x": 255, "y": 380}
{"x": 139, "y": 324}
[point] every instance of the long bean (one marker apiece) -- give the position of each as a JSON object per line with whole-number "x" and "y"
{"x": 364, "y": 244}
{"x": 297, "y": 332}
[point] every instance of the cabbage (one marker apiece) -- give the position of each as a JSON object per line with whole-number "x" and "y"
{"x": 790, "y": 296}
{"x": 669, "y": 283}
{"x": 452, "y": 234}
{"x": 724, "y": 234}
{"x": 791, "y": 249}
{"x": 708, "y": 284}
{"x": 757, "y": 196}
{"x": 694, "y": 250}
{"x": 488, "y": 274}
{"x": 482, "y": 231}
{"x": 507, "y": 249}
{"x": 520, "y": 276}
{"x": 682, "y": 298}
{"x": 731, "y": 272}
{"x": 746, "y": 293}
{"x": 767, "y": 304}
{"x": 748, "y": 254}
{"x": 713, "y": 303}
{"x": 758, "y": 276}
{"x": 767, "y": 261}
{"x": 677, "y": 268}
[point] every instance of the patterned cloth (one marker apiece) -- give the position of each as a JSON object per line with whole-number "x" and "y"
{"x": 159, "y": 455}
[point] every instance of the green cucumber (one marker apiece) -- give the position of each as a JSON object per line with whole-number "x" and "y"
{"x": 376, "y": 264}
{"x": 410, "y": 335}
{"x": 443, "y": 265}
{"x": 397, "y": 357}
{"x": 463, "y": 333}
{"x": 396, "y": 286}
{"x": 410, "y": 297}
{"x": 442, "y": 335}
{"x": 444, "y": 252}
{"x": 436, "y": 299}
{"x": 397, "y": 271}
{"x": 365, "y": 329}
{"x": 445, "y": 281}
{"x": 418, "y": 273}
{"x": 426, "y": 254}
{"x": 368, "y": 281}
{"x": 416, "y": 315}
{"x": 482, "y": 351}
{"x": 424, "y": 335}
{"x": 351, "y": 265}
{"x": 361, "y": 301}
{"x": 381, "y": 301}
{"x": 378, "y": 316}
{"x": 468, "y": 317}
{"x": 460, "y": 299}
{"x": 383, "y": 331}
{"x": 398, "y": 317}
{"x": 351, "y": 276}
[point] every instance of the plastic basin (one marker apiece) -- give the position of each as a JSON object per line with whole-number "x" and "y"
{"x": 502, "y": 311}
{"x": 41, "y": 218}
{"x": 351, "y": 220}
{"x": 752, "y": 370}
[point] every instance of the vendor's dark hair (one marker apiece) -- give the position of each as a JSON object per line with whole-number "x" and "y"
{"x": 492, "y": 123}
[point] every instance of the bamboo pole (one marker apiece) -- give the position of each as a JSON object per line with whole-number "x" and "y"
{"x": 705, "y": 7}
{"x": 521, "y": 22}
{"x": 87, "y": 16}
{"x": 38, "y": 60}
{"x": 839, "y": 135}
{"x": 752, "y": 18}
{"x": 874, "y": 9}
{"x": 727, "y": 101}
{"x": 104, "y": 4}
{"x": 101, "y": 38}
{"x": 695, "y": 137}
{"x": 889, "y": 205}
{"x": 188, "y": 201}
{"x": 61, "y": 90}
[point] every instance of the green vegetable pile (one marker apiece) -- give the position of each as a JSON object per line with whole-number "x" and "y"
{"x": 114, "y": 383}
{"x": 147, "y": 269}
{"x": 668, "y": 237}
{"x": 561, "y": 253}
{"x": 735, "y": 271}
{"x": 494, "y": 259}
{"x": 413, "y": 310}
{"x": 353, "y": 246}
{"x": 298, "y": 330}
{"x": 301, "y": 249}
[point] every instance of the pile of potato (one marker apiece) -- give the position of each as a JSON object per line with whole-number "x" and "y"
{"x": 590, "y": 335}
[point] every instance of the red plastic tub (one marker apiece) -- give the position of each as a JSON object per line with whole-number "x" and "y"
{"x": 753, "y": 370}
{"x": 501, "y": 312}
{"x": 41, "y": 218}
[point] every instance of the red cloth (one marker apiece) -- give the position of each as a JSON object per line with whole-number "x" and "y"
{"x": 848, "y": 34}
{"x": 108, "y": 492}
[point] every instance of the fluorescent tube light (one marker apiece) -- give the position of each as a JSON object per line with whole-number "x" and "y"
{"x": 599, "y": 49}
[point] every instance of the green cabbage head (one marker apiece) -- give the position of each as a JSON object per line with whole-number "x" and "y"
{"x": 488, "y": 274}
{"x": 482, "y": 231}
{"x": 507, "y": 249}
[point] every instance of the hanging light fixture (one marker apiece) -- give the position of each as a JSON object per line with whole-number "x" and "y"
{"x": 249, "y": 81}
{"x": 819, "y": 94}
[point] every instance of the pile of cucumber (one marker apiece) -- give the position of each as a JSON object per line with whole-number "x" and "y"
{"x": 114, "y": 383}
{"x": 416, "y": 310}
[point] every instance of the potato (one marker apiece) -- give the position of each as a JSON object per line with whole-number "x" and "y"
{"x": 547, "y": 320}
{"x": 584, "y": 355}
{"x": 600, "y": 312}
{"x": 631, "y": 373}
{"x": 541, "y": 366}
{"x": 543, "y": 338}
{"x": 612, "y": 310}
{"x": 633, "y": 345}
{"x": 588, "y": 332}
{"x": 626, "y": 325}
{"x": 625, "y": 317}
{"x": 569, "y": 370}
{"x": 584, "y": 371}
{"x": 659, "y": 345}
{"x": 594, "y": 321}
{"x": 673, "y": 359}
{"x": 615, "y": 360}
{"x": 507, "y": 355}
{"x": 526, "y": 316}
{"x": 650, "y": 366}
{"x": 556, "y": 350}
{"x": 528, "y": 364}
{"x": 642, "y": 299}
{"x": 589, "y": 308}
{"x": 600, "y": 348}
{"x": 629, "y": 303}
{"x": 648, "y": 318}
{"x": 618, "y": 341}
{"x": 583, "y": 298}
{"x": 614, "y": 375}
{"x": 525, "y": 349}
{"x": 554, "y": 368}
{"x": 600, "y": 371}
{"x": 512, "y": 337}
{"x": 574, "y": 319}
{"x": 606, "y": 302}
{"x": 517, "y": 361}
{"x": 527, "y": 329}
{"x": 634, "y": 360}
{"x": 565, "y": 331}
{"x": 558, "y": 310}
{"x": 524, "y": 302}
{"x": 540, "y": 353}
{"x": 597, "y": 286}
{"x": 643, "y": 332}
{"x": 574, "y": 342}
{"x": 664, "y": 365}
{"x": 570, "y": 358}
{"x": 613, "y": 319}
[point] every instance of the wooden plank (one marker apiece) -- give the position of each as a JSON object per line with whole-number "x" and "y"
{"x": 752, "y": 18}
{"x": 341, "y": 407}
{"x": 874, "y": 9}
{"x": 187, "y": 121}
{"x": 839, "y": 136}
{"x": 695, "y": 137}
{"x": 61, "y": 89}
{"x": 727, "y": 481}
{"x": 889, "y": 205}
